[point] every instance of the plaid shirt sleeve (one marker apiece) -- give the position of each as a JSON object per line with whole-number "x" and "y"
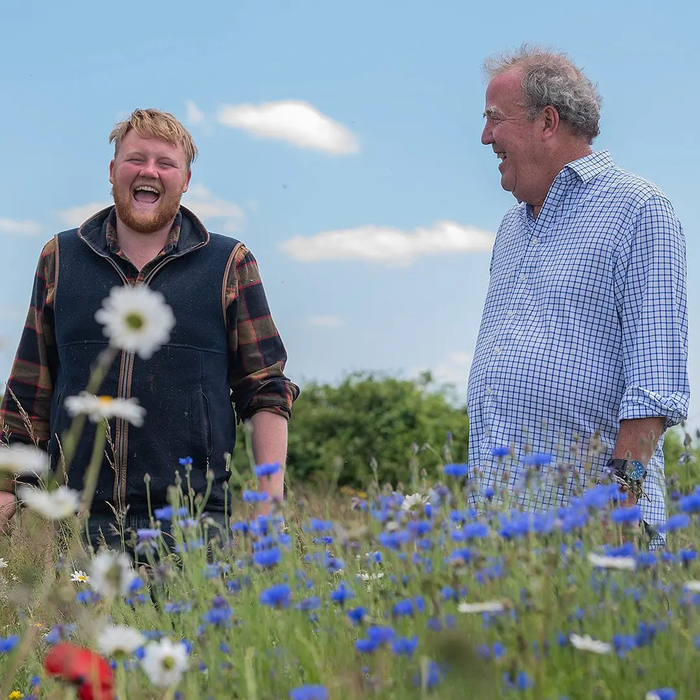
{"x": 652, "y": 304}
{"x": 33, "y": 372}
{"x": 258, "y": 356}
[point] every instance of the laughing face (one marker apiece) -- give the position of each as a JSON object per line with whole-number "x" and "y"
{"x": 513, "y": 137}
{"x": 148, "y": 176}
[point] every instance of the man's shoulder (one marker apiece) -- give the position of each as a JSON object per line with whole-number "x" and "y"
{"x": 627, "y": 186}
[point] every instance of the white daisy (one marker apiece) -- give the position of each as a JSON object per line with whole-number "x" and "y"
{"x": 492, "y": 606}
{"x": 79, "y": 577}
{"x": 692, "y": 586}
{"x": 136, "y": 319}
{"x": 416, "y": 499}
{"x": 371, "y": 577}
{"x": 119, "y": 641}
{"x": 3, "y": 563}
{"x": 23, "y": 460}
{"x": 99, "y": 408}
{"x": 111, "y": 574}
{"x": 164, "y": 662}
{"x": 58, "y": 504}
{"x": 587, "y": 643}
{"x": 621, "y": 563}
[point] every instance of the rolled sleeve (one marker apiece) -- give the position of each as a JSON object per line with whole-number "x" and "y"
{"x": 258, "y": 355}
{"x": 654, "y": 317}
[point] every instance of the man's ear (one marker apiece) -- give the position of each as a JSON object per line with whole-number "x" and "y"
{"x": 111, "y": 171}
{"x": 187, "y": 182}
{"x": 550, "y": 122}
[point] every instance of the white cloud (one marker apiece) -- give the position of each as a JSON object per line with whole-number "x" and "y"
{"x": 325, "y": 321}
{"x": 291, "y": 120}
{"x": 80, "y": 214}
{"x": 452, "y": 369}
{"x": 19, "y": 228}
{"x": 206, "y": 206}
{"x": 194, "y": 115}
{"x": 388, "y": 245}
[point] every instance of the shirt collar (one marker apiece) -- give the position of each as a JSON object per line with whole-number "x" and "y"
{"x": 111, "y": 233}
{"x": 591, "y": 165}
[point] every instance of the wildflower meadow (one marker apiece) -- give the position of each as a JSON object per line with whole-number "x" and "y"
{"x": 431, "y": 588}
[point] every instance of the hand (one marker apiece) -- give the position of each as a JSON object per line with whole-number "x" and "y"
{"x": 631, "y": 499}
{"x": 7, "y": 508}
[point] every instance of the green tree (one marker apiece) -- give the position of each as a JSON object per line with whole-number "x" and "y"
{"x": 341, "y": 431}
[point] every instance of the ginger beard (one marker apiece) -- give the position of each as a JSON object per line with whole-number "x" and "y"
{"x": 143, "y": 213}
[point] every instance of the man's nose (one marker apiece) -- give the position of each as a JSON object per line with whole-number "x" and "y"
{"x": 149, "y": 169}
{"x": 486, "y": 135}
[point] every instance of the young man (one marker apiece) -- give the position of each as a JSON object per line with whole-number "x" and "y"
{"x": 224, "y": 351}
{"x": 584, "y": 330}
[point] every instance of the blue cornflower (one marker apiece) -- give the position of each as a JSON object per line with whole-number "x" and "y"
{"x": 8, "y": 643}
{"x": 317, "y": 525}
{"x": 356, "y": 615}
{"x": 214, "y": 570}
{"x": 308, "y": 604}
{"x": 240, "y": 526}
{"x": 309, "y": 692}
{"x": 687, "y": 555}
{"x": 325, "y": 539}
{"x": 632, "y": 514}
{"x": 277, "y": 596}
{"x": 625, "y": 550}
{"x": 457, "y": 471}
{"x": 185, "y": 461}
{"x": 646, "y": 559}
{"x": 382, "y": 634}
{"x": 393, "y": 540}
{"x": 403, "y": 646}
{"x": 599, "y": 496}
{"x": 475, "y": 530}
{"x": 498, "y": 650}
{"x": 333, "y": 564}
{"x": 147, "y": 533}
{"x": 661, "y": 694}
{"x": 675, "y": 522}
{"x": 538, "y": 459}
{"x": 691, "y": 503}
{"x": 218, "y": 616}
{"x": 167, "y": 513}
{"x": 366, "y": 646}
{"x": 176, "y": 608}
{"x": 267, "y": 469}
{"x": 254, "y": 496}
{"x": 189, "y": 546}
{"x": 342, "y": 593}
{"x": 267, "y": 558}
{"x": 403, "y": 607}
{"x": 463, "y": 556}
{"x": 86, "y": 597}
{"x": 432, "y": 676}
{"x": 500, "y": 451}
{"x": 489, "y": 492}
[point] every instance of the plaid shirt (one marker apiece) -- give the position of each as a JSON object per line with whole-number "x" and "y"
{"x": 585, "y": 324}
{"x": 253, "y": 339}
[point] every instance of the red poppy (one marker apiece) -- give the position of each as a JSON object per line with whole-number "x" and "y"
{"x": 82, "y": 667}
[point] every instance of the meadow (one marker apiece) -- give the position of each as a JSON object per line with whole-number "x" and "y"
{"x": 403, "y": 590}
{"x": 393, "y": 593}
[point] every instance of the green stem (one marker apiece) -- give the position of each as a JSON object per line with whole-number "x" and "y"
{"x": 70, "y": 439}
{"x": 93, "y": 470}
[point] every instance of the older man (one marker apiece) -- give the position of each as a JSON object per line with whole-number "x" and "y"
{"x": 224, "y": 360}
{"x": 581, "y": 358}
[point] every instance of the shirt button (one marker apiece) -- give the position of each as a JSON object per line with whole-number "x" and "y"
{"x": 535, "y": 241}
{"x": 523, "y": 278}
{"x": 510, "y": 314}
{"x": 488, "y": 391}
{"x": 496, "y": 350}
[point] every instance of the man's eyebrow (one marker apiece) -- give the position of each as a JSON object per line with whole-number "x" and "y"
{"x": 492, "y": 112}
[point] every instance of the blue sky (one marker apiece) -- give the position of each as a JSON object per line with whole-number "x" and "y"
{"x": 315, "y": 117}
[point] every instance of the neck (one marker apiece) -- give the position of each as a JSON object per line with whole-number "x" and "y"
{"x": 557, "y": 164}
{"x": 141, "y": 248}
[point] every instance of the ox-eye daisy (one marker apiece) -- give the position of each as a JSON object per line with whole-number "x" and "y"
{"x": 98, "y": 408}
{"x": 136, "y": 319}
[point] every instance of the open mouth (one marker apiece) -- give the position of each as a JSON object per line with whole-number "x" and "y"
{"x": 145, "y": 194}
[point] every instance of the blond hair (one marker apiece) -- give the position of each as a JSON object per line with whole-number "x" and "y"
{"x": 155, "y": 124}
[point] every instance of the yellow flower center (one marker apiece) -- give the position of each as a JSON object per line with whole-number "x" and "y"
{"x": 105, "y": 399}
{"x": 168, "y": 662}
{"x": 134, "y": 321}
{"x": 15, "y": 695}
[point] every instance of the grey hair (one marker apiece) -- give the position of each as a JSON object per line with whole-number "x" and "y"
{"x": 551, "y": 79}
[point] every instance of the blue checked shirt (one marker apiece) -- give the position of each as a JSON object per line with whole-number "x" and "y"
{"x": 585, "y": 324}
